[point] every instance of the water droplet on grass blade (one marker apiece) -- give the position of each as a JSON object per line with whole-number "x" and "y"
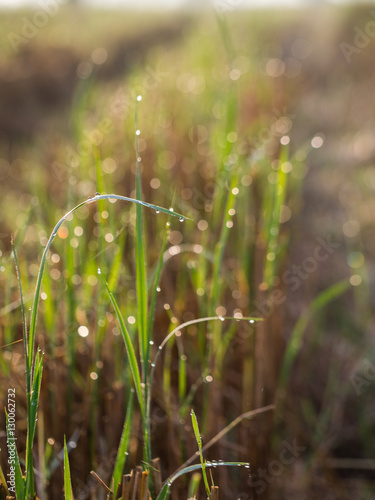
{"x": 99, "y": 270}
{"x": 157, "y": 211}
{"x": 181, "y": 219}
{"x": 97, "y": 194}
{"x": 221, "y": 318}
{"x": 139, "y": 98}
{"x": 251, "y": 321}
{"x": 168, "y": 223}
{"x": 158, "y": 289}
{"x": 138, "y": 132}
{"x": 151, "y": 342}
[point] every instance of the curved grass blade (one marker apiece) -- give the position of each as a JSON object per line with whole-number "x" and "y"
{"x": 67, "y": 478}
{"x": 178, "y": 329}
{"x": 295, "y": 340}
{"x": 121, "y": 452}
{"x": 34, "y": 311}
{"x": 164, "y": 493}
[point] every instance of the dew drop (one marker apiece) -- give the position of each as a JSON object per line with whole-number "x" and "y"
{"x": 168, "y": 223}
{"x": 89, "y": 197}
{"x": 171, "y": 209}
{"x": 138, "y": 132}
{"x": 157, "y": 211}
{"x": 221, "y": 318}
{"x": 126, "y": 453}
{"x": 139, "y": 98}
{"x": 99, "y": 270}
{"x": 152, "y": 365}
{"x": 251, "y": 321}
{"x": 97, "y": 194}
{"x": 160, "y": 348}
{"x": 158, "y": 289}
{"x": 151, "y": 342}
{"x": 139, "y": 159}
{"x": 181, "y": 219}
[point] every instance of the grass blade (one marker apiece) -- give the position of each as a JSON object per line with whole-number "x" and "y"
{"x": 199, "y": 442}
{"x": 141, "y": 282}
{"x": 124, "y": 442}
{"x": 67, "y": 478}
{"x": 164, "y": 493}
{"x": 295, "y": 340}
{"x": 129, "y": 349}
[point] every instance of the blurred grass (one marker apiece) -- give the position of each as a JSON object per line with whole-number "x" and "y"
{"x": 211, "y": 119}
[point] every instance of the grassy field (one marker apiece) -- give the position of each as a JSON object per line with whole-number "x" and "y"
{"x": 217, "y": 311}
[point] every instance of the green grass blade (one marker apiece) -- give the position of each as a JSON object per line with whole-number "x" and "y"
{"x": 272, "y": 228}
{"x": 156, "y": 281}
{"x": 124, "y": 442}
{"x": 129, "y": 350}
{"x": 323, "y": 299}
{"x": 37, "y": 380}
{"x": 141, "y": 282}
{"x": 219, "y": 252}
{"x": 194, "y": 485}
{"x": 67, "y": 478}
{"x": 140, "y": 263}
{"x": 199, "y": 442}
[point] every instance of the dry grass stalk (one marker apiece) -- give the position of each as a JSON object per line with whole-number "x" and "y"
{"x": 214, "y": 493}
{"x": 156, "y": 475}
{"x": 127, "y": 482}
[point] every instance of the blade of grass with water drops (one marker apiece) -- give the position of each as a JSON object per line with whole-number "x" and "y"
{"x": 198, "y": 438}
{"x": 140, "y": 263}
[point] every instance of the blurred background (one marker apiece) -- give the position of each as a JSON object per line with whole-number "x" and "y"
{"x": 258, "y": 124}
